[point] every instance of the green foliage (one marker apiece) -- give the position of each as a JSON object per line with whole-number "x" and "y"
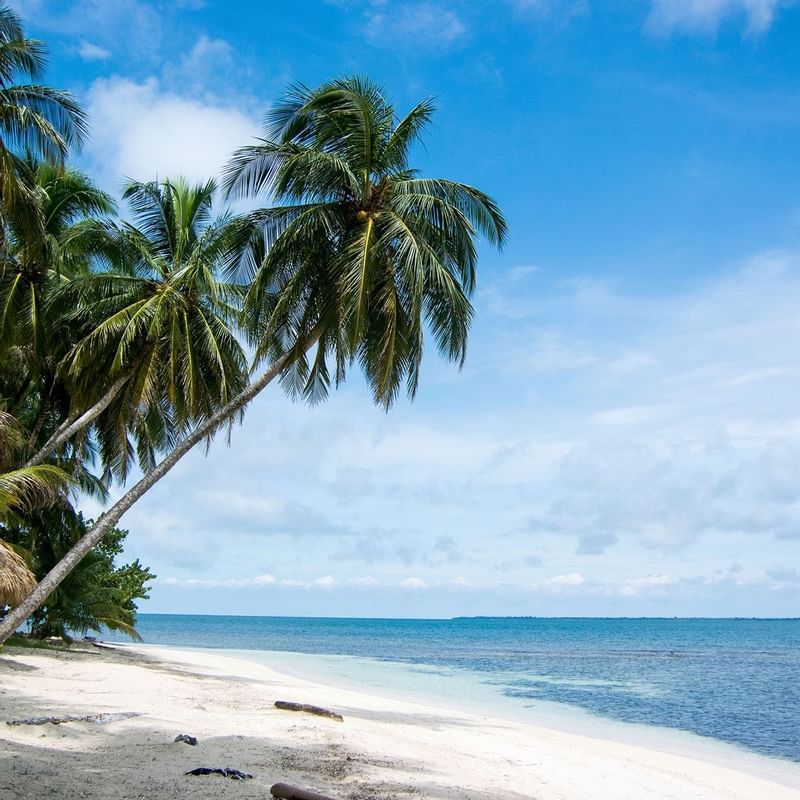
{"x": 359, "y": 254}
{"x": 159, "y": 311}
{"x": 97, "y": 594}
{"x": 120, "y": 338}
{"x": 35, "y": 120}
{"x": 38, "y": 260}
{"x": 23, "y": 489}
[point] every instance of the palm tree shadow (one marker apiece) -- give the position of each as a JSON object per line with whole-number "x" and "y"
{"x": 132, "y": 760}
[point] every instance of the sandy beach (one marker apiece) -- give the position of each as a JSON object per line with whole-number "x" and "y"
{"x": 384, "y": 748}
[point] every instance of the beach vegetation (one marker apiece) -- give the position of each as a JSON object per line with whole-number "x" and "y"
{"x": 98, "y": 595}
{"x": 127, "y": 342}
{"x": 36, "y": 120}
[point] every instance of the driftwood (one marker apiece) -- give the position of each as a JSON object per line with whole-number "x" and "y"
{"x": 226, "y": 772}
{"x": 286, "y": 792}
{"x": 309, "y": 709}
{"x": 184, "y": 737}
{"x": 97, "y": 719}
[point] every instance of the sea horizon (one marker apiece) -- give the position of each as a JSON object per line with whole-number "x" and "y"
{"x": 464, "y": 616}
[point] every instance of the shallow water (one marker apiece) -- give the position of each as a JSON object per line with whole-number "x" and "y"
{"x": 734, "y": 680}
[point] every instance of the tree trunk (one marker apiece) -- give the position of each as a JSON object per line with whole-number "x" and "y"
{"x": 39, "y": 595}
{"x": 71, "y": 426}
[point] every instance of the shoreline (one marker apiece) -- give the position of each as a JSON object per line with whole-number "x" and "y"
{"x": 538, "y": 714}
{"x": 385, "y": 748}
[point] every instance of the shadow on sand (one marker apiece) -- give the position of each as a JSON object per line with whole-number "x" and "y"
{"x": 138, "y": 759}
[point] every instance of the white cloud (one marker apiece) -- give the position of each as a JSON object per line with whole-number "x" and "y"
{"x": 130, "y": 25}
{"x": 141, "y": 131}
{"x": 644, "y": 482}
{"x": 413, "y": 583}
{"x": 417, "y": 447}
{"x": 569, "y": 580}
{"x": 222, "y": 583}
{"x": 706, "y": 16}
{"x": 417, "y": 25}
{"x": 91, "y": 52}
{"x": 367, "y": 582}
{"x": 208, "y": 71}
{"x": 635, "y": 586}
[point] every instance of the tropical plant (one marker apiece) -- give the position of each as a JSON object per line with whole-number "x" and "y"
{"x": 35, "y": 120}
{"x": 39, "y": 259}
{"x": 25, "y": 488}
{"x": 20, "y": 490}
{"x": 357, "y": 258}
{"x": 158, "y": 320}
{"x": 362, "y": 254}
{"x": 16, "y": 579}
{"x": 97, "y": 594}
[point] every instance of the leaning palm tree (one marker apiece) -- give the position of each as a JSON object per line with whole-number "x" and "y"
{"x": 357, "y": 259}
{"x": 35, "y": 119}
{"x": 362, "y": 254}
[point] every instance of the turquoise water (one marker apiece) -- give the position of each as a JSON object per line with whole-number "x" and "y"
{"x": 733, "y": 680}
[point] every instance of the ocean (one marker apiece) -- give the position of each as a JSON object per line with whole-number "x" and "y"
{"x": 735, "y": 680}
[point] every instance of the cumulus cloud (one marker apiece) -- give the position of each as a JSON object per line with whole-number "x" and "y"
{"x": 141, "y": 131}
{"x": 706, "y": 16}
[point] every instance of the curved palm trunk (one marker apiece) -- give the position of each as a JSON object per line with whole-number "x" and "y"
{"x": 72, "y": 426}
{"x": 39, "y": 595}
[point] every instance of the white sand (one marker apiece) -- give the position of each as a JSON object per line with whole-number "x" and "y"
{"x": 383, "y": 749}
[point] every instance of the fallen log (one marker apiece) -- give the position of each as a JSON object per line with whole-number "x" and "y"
{"x": 97, "y": 719}
{"x": 286, "y": 792}
{"x": 285, "y": 705}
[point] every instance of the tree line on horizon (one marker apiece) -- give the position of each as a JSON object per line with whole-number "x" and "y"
{"x": 129, "y": 337}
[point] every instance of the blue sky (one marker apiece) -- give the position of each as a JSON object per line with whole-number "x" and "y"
{"x": 625, "y": 436}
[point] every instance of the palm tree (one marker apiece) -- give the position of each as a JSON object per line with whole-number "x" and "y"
{"x": 21, "y": 490}
{"x": 24, "y": 488}
{"x": 39, "y": 259}
{"x": 30, "y": 486}
{"x": 33, "y": 337}
{"x": 363, "y": 254}
{"x": 35, "y": 120}
{"x": 16, "y": 579}
{"x": 159, "y": 342}
{"x": 357, "y": 258}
